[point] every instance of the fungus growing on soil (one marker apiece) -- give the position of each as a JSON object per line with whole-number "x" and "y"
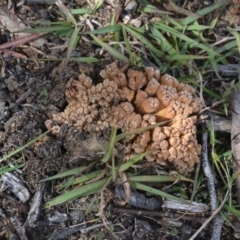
{"x": 133, "y": 100}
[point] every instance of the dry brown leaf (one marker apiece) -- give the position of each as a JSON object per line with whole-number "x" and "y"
{"x": 126, "y": 185}
{"x": 32, "y": 52}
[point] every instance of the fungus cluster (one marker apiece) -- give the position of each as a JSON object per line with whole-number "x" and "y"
{"x": 132, "y": 100}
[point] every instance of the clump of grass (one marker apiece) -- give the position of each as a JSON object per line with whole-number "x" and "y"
{"x": 96, "y": 181}
{"x": 169, "y": 43}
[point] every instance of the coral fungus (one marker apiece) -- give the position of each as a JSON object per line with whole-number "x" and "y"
{"x": 137, "y": 99}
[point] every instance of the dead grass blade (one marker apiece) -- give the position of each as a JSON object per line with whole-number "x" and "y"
{"x": 170, "y": 6}
{"x": 14, "y": 54}
{"x": 66, "y": 12}
{"x": 21, "y": 40}
{"x": 126, "y": 186}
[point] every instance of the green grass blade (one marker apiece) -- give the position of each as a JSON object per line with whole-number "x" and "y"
{"x": 212, "y": 134}
{"x": 64, "y": 174}
{"x": 131, "y": 162}
{"x": 73, "y": 42}
{"x": 232, "y": 209}
{"x": 12, "y": 153}
{"x": 179, "y": 57}
{"x": 142, "y": 39}
{"x": 84, "y": 59}
{"x": 97, "y": 6}
{"x": 66, "y": 12}
{"x": 237, "y": 36}
{"x": 156, "y": 192}
{"x": 164, "y": 44}
{"x": 68, "y": 184}
{"x": 158, "y": 178}
{"x": 152, "y": 9}
{"x": 6, "y": 169}
{"x": 128, "y": 47}
{"x": 177, "y": 34}
{"x": 214, "y": 64}
{"x": 206, "y": 90}
{"x": 64, "y": 33}
{"x": 48, "y": 29}
{"x": 228, "y": 46}
{"x": 110, "y": 145}
{"x": 161, "y": 65}
{"x": 77, "y": 59}
{"x": 175, "y": 23}
{"x": 81, "y": 11}
{"x": 114, "y": 173}
{"x": 109, "y": 29}
{"x": 139, "y": 130}
{"x": 197, "y": 28}
{"x": 87, "y": 177}
{"x": 111, "y": 50}
{"x": 201, "y": 12}
{"x": 77, "y": 193}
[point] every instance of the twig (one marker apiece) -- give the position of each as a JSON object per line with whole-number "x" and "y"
{"x": 210, "y": 218}
{"x": 19, "y": 229}
{"x": 136, "y": 212}
{"x": 208, "y": 172}
{"x": 64, "y": 233}
{"x": 235, "y": 141}
{"x": 217, "y": 227}
{"x": 220, "y": 123}
{"x": 218, "y": 222}
{"x": 235, "y": 137}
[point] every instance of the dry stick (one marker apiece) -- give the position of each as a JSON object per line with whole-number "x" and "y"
{"x": 64, "y": 233}
{"x": 210, "y": 218}
{"x": 235, "y": 137}
{"x": 220, "y": 123}
{"x": 136, "y": 212}
{"x": 218, "y": 221}
{"x": 208, "y": 172}
{"x": 235, "y": 142}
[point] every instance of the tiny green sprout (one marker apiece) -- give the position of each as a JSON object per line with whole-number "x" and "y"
{"x": 44, "y": 93}
{"x": 100, "y": 235}
{"x": 174, "y": 232}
